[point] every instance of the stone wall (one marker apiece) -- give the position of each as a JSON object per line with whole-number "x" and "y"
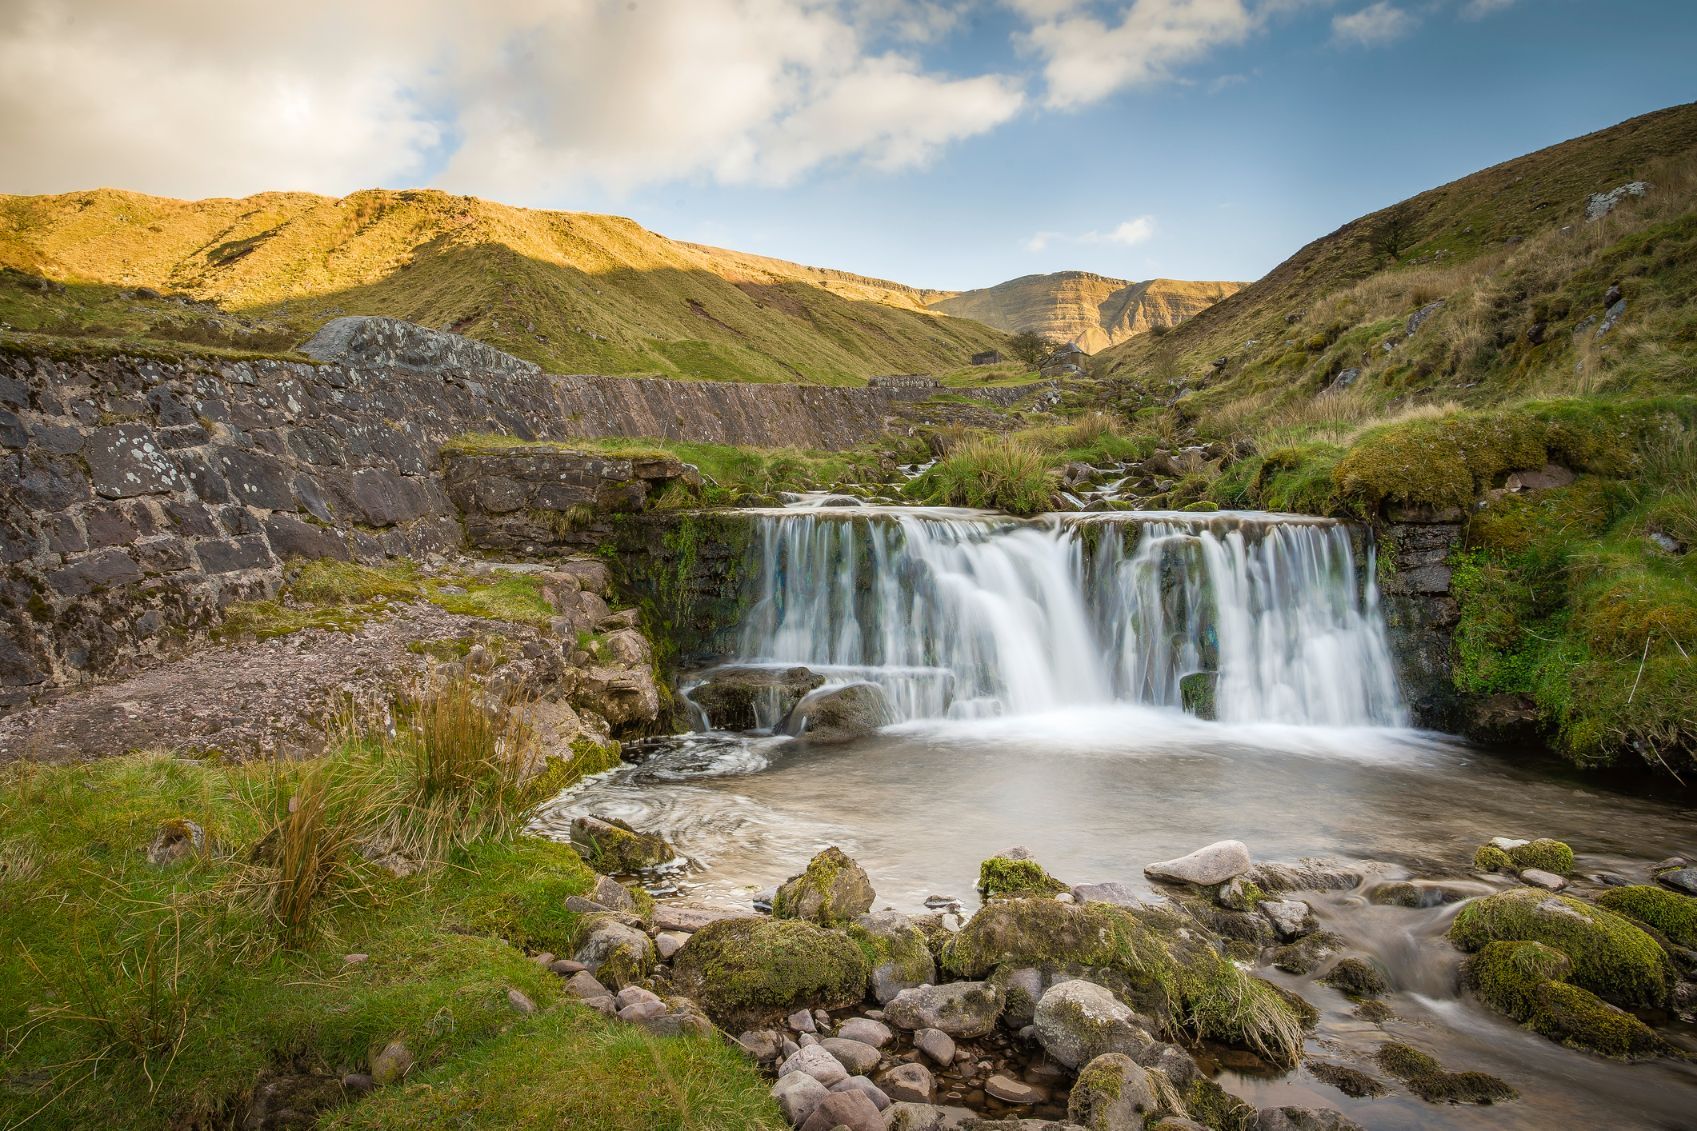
{"x": 139, "y": 497}
{"x": 1419, "y": 610}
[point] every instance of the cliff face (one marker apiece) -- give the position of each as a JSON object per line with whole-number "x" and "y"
{"x": 1092, "y": 310}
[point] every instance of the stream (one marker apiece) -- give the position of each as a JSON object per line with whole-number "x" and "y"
{"x": 1035, "y": 672}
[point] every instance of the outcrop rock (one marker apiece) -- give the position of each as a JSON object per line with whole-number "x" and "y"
{"x": 841, "y": 714}
{"x": 1214, "y": 864}
{"x": 960, "y": 1009}
{"x": 833, "y": 888}
{"x": 743, "y": 698}
{"x": 1079, "y": 1021}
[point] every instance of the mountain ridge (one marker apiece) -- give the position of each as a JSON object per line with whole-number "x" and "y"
{"x": 1094, "y": 311}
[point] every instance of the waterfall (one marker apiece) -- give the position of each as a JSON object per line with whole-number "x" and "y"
{"x": 956, "y": 614}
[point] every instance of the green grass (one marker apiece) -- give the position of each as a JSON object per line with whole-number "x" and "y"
{"x": 341, "y": 596}
{"x": 164, "y": 993}
{"x": 999, "y": 473}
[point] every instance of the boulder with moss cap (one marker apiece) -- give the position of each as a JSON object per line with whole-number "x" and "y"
{"x": 746, "y": 970}
{"x": 832, "y": 889}
{"x": 1674, "y": 915}
{"x": 1078, "y": 1021}
{"x": 897, "y": 950}
{"x": 1610, "y": 956}
{"x": 611, "y": 846}
{"x": 1113, "y": 1093}
{"x": 1015, "y": 873}
{"x": 1524, "y": 980}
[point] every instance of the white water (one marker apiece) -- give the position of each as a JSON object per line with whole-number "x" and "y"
{"x": 961, "y": 615}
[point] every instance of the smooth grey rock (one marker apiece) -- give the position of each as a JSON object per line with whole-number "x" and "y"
{"x": 841, "y": 714}
{"x": 911, "y": 1082}
{"x": 936, "y": 1044}
{"x": 852, "y": 1109}
{"x": 668, "y": 943}
{"x": 861, "y": 1084}
{"x": 802, "y": 1021}
{"x": 761, "y": 1044}
{"x": 1681, "y": 879}
{"x": 960, "y": 1009}
{"x": 858, "y": 1058}
{"x": 631, "y": 995}
{"x": 1213, "y": 864}
{"x": 1291, "y": 918}
{"x": 612, "y": 895}
{"x": 817, "y": 1062}
{"x": 1539, "y": 878}
{"x": 1078, "y": 1021}
{"x": 1013, "y": 1091}
{"x": 798, "y": 1094}
{"x": 867, "y": 1032}
{"x": 1120, "y": 895}
{"x": 611, "y": 943}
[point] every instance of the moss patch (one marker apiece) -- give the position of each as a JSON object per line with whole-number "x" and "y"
{"x": 1002, "y": 877}
{"x": 1357, "y": 979}
{"x": 1544, "y": 854}
{"x": 1674, "y": 915}
{"x": 1426, "y": 1078}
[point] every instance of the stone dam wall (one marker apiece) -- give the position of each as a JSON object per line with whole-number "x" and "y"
{"x": 139, "y": 497}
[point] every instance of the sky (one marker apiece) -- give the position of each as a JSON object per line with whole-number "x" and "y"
{"x": 941, "y": 143}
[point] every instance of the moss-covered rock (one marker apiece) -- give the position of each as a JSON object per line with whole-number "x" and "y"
{"x": 1014, "y": 874}
{"x": 896, "y": 951}
{"x": 1357, "y": 979}
{"x": 1045, "y": 932}
{"x": 832, "y": 889}
{"x": 1544, "y": 854}
{"x": 1112, "y": 1091}
{"x": 1429, "y": 1080}
{"x": 1508, "y": 975}
{"x": 1611, "y": 957}
{"x": 1490, "y": 858}
{"x": 613, "y": 846}
{"x": 1674, "y": 915}
{"x": 1581, "y": 1019}
{"x": 746, "y": 970}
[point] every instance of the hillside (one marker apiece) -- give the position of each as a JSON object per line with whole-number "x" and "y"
{"x": 575, "y": 292}
{"x": 1513, "y": 363}
{"x": 1077, "y": 306}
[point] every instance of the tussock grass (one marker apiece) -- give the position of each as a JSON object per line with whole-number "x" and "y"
{"x": 999, "y": 473}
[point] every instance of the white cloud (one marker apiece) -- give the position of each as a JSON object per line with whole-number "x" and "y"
{"x": 1373, "y": 25}
{"x": 517, "y": 99}
{"x": 1479, "y": 9}
{"x": 1138, "y": 229}
{"x": 1086, "y": 59}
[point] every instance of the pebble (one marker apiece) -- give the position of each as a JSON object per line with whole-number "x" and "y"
{"x": 520, "y": 1002}
{"x": 861, "y": 1084}
{"x": 802, "y": 1022}
{"x": 392, "y": 1063}
{"x": 669, "y": 943}
{"x": 642, "y": 1011}
{"x": 355, "y": 959}
{"x": 358, "y": 1084}
{"x": 631, "y": 995}
{"x": 585, "y": 986}
{"x": 815, "y": 1062}
{"x": 1549, "y": 881}
{"x": 908, "y": 1082}
{"x": 566, "y": 967}
{"x": 798, "y": 1094}
{"x": 544, "y": 958}
{"x": 1009, "y": 1090}
{"x": 866, "y": 1031}
{"x": 858, "y": 1058}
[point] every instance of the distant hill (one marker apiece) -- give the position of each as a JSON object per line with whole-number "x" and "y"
{"x": 1501, "y": 247}
{"x": 575, "y": 292}
{"x": 1077, "y": 306}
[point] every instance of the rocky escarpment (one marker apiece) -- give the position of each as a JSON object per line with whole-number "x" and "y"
{"x": 143, "y": 496}
{"x": 1092, "y": 310}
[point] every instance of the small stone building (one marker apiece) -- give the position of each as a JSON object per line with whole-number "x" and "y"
{"x": 988, "y": 357}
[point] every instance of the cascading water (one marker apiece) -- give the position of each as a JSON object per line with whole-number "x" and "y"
{"x": 956, "y": 614}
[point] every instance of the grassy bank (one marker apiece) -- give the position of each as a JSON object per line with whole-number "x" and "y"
{"x": 169, "y": 989}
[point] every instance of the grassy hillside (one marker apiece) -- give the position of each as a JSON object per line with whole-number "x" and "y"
{"x": 1077, "y": 306}
{"x": 1419, "y": 356}
{"x": 575, "y": 292}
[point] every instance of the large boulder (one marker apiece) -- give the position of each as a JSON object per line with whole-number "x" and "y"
{"x": 745, "y": 970}
{"x": 1046, "y": 932}
{"x": 1078, "y": 1021}
{"x": 960, "y": 1009}
{"x": 901, "y": 958}
{"x": 611, "y": 846}
{"x": 1113, "y": 1093}
{"x": 1610, "y": 956}
{"x": 841, "y": 714}
{"x": 832, "y": 889}
{"x": 743, "y": 698}
{"x": 1524, "y": 981}
{"x": 1214, "y": 864}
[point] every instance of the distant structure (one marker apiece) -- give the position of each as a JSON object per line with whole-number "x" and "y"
{"x": 1068, "y": 361}
{"x": 906, "y": 386}
{"x": 988, "y": 357}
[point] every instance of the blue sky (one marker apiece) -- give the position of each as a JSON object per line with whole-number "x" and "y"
{"x": 946, "y": 143}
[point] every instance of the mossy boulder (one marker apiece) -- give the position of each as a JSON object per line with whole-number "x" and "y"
{"x": 897, "y": 952}
{"x": 1611, "y": 957}
{"x": 1044, "y": 932}
{"x": 832, "y": 889}
{"x": 1112, "y": 1092}
{"x": 1508, "y": 975}
{"x": 1544, "y": 854}
{"x": 612, "y": 846}
{"x": 746, "y": 970}
{"x": 1524, "y": 980}
{"x": 1490, "y": 858}
{"x": 1014, "y": 874}
{"x": 1674, "y": 915}
{"x": 1078, "y": 1021}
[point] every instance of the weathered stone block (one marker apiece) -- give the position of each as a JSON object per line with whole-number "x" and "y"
{"x": 126, "y": 460}
{"x": 256, "y": 479}
{"x": 103, "y": 569}
{"x": 237, "y": 554}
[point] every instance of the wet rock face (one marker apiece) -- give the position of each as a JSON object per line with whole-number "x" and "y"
{"x": 732, "y": 697}
{"x": 842, "y": 714}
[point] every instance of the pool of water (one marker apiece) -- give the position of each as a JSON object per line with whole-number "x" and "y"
{"x": 1098, "y": 792}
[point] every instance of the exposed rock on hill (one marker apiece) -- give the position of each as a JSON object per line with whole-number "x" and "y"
{"x": 1077, "y": 306}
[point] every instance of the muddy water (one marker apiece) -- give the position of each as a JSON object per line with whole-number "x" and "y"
{"x": 1096, "y": 793}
